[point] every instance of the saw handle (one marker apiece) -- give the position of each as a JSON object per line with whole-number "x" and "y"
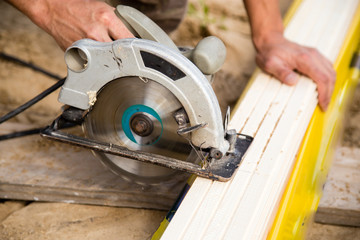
{"x": 208, "y": 55}
{"x": 142, "y": 26}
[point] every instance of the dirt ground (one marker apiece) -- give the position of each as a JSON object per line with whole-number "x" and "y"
{"x": 21, "y": 38}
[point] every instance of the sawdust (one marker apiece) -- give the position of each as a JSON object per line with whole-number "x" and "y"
{"x": 67, "y": 221}
{"x": 351, "y": 137}
{"x": 92, "y": 97}
{"x": 8, "y": 207}
{"x": 327, "y": 232}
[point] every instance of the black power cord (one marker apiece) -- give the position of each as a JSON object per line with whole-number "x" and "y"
{"x": 28, "y": 65}
{"x": 32, "y": 101}
{"x": 20, "y": 134}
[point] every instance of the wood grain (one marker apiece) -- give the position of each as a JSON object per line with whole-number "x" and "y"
{"x": 340, "y": 203}
{"x": 33, "y": 168}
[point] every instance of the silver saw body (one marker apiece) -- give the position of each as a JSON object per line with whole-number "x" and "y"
{"x": 140, "y": 73}
{"x": 143, "y": 102}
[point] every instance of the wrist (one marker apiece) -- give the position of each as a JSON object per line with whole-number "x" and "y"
{"x": 40, "y": 14}
{"x": 36, "y": 10}
{"x": 267, "y": 38}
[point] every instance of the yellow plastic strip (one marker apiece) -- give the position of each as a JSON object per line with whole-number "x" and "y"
{"x": 163, "y": 225}
{"x": 304, "y": 189}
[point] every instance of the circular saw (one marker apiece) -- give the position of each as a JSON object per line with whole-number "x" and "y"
{"x": 147, "y": 107}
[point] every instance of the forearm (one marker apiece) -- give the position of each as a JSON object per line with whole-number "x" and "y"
{"x": 265, "y": 20}
{"x": 70, "y": 20}
{"x": 36, "y": 10}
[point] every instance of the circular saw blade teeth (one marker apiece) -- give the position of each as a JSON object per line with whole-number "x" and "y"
{"x": 139, "y": 116}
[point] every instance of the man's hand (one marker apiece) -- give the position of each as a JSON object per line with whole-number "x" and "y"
{"x": 281, "y": 57}
{"x": 72, "y": 20}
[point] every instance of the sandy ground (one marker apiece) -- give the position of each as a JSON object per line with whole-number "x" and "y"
{"x": 20, "y": 37}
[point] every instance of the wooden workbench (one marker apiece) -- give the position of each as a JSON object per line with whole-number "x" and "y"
{"x": 34, "y": 168}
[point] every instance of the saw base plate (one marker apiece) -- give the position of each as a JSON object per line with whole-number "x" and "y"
{"x": 220, "y": 170}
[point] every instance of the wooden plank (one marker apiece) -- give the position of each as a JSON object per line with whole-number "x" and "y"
{"x": 241, "y": 182}
{"x": 249, "y": 102}
{"x": 260, "y": 86}
{"x": 272, "y": 172}
{"x": 340, "y": 203}
{"x": 338, "y": 29}
{"x": 252, "y": 228}
{"x": 33, "y": 168}
{"x": 245, "y": 207}
{"x": 302, "y": 24}
{"x": 263, "y": 98}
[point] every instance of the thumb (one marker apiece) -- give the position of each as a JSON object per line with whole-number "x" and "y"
{"x": 291, "y": 78}
{"x": 284, "y": 74}
{"x": 280, "y": 70}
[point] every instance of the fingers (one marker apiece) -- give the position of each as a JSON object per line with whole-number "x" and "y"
{"x": 95, "y": 20}
{"x": 107, "y": 26}
{"x": 117, "y": 29}
{"x": 281, "y": 59}
{"x": 98, "y": 33}
{"x": 279, "y": 69}
{"x": 320, "y": 70}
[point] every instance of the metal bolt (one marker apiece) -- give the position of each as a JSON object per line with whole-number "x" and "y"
{"x": 215, "y": 153}
{"x": 141, "y": 125}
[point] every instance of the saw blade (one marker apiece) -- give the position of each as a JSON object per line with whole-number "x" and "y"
{"x": 138, "y": 114}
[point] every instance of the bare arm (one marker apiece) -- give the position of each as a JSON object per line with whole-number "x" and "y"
{"x": 281, "y": 57}
{"x": 70, "y": 20}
